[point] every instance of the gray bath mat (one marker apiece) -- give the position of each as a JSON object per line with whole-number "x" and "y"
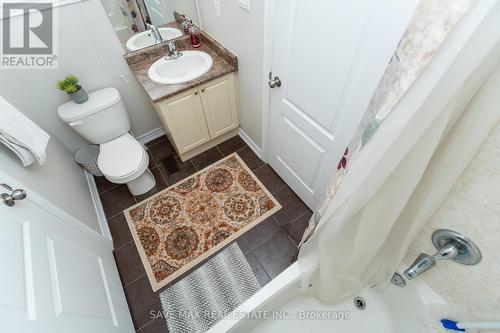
{"x": 205, "y": 296}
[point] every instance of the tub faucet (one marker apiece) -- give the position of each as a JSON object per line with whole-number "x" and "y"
{"x": 450, "y": 245}
{"x": 425, "y": 262}
{"x": 156, "y": 32}
{"x": 174, "y": 53}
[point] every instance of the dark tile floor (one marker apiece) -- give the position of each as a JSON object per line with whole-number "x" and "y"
{"x": 269, "y": 247}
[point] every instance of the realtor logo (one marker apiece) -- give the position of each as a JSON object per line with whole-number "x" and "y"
{"x": 28, "y": 36}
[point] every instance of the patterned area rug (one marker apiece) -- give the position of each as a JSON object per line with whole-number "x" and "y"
{"x": 177, "y": 228}
{"x": 205, "y": 296}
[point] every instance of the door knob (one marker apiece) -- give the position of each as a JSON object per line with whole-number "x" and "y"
{"x": 273, "y": 83}
{"x": 10, "y": 199}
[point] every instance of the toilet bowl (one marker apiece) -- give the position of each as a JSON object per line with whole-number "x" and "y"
{"x": 125, "y": 161}
{"x": 103, "y": 120}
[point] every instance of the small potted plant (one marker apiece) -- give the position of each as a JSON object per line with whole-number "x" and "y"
{"x": 73, "y": 89}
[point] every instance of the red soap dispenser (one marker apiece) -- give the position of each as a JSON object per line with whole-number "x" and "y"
{"x": 194, "y": 32}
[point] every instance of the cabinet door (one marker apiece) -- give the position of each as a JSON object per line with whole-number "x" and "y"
{"x": 183, "y": 115}
{"x": 219, "y": 104}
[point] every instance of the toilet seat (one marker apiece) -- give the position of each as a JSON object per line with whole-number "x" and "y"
{"x": 123, "y": 159}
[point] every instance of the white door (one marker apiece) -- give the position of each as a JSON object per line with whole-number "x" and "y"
{"x": 329, "y": 56}
{"x": 55, "y": 277}
{"x": 156, "y": 12}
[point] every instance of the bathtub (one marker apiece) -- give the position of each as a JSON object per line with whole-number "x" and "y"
{"x": 280, "y": 307}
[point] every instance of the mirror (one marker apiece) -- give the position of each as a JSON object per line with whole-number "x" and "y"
{"x": 134, "y": 21}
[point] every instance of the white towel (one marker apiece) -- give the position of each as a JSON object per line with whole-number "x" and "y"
{"x": 21, "y": 135}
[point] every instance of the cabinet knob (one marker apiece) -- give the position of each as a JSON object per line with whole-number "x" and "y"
{"x": 196, "y": 93}
{"x": 203, "y": 90}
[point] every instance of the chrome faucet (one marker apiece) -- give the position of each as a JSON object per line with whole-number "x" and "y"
{"x": 174, "y": 53}
{"x": 450, "y": 245}
{"x": 156, "y": 32}
{"x": 425, "y": 262}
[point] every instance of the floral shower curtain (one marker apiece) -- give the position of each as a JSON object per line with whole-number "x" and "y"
{"x": 379, "y": 196}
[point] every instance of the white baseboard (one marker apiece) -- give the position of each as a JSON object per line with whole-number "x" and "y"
{"x": 256, "y": 149}
{"x": 151, "y": 135}
{"x": 96, "y": 199}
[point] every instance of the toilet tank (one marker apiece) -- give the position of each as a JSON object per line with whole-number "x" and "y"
{"x": 101, "y": 118}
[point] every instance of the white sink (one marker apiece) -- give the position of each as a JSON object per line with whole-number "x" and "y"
{"x": 146, "y": 38}
{"x": 189, "y": 66}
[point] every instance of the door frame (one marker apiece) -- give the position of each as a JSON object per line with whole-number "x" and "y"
{"x": 266, "y": 67}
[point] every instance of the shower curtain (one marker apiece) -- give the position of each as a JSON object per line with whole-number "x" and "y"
{"x": 405, "y": 165}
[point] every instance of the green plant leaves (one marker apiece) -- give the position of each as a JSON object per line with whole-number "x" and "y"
{"x": 69, "y": 84}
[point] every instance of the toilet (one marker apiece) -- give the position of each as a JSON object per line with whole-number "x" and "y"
{"x": 103, "y": 120}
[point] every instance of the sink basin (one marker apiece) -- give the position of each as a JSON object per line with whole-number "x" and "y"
{"x": 146, "y": 38}
{"x": 191, "y": 65}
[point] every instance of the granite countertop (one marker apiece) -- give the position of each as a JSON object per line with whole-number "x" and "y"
{"x": 224, "y": 62}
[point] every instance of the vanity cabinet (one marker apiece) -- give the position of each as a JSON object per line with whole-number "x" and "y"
{"x": 219, "y": 103}
{"x": 201, "y": 117}
{"x": 185, "y": 119}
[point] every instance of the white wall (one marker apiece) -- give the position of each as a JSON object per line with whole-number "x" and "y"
{"x": 186, "y": 7}
{"x": 60, "y": 180}
{"x": 114, "y": 12}
{"x": 243, "y": 33}
{"x": 98, "y": 64}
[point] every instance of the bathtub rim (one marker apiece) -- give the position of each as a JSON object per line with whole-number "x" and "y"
{"x": 290, "y": 277}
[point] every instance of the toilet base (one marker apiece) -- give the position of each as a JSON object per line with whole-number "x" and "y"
{"x": 142, "y": 184}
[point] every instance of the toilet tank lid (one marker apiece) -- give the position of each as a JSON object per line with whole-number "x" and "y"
{"x": 98, "y": 100}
